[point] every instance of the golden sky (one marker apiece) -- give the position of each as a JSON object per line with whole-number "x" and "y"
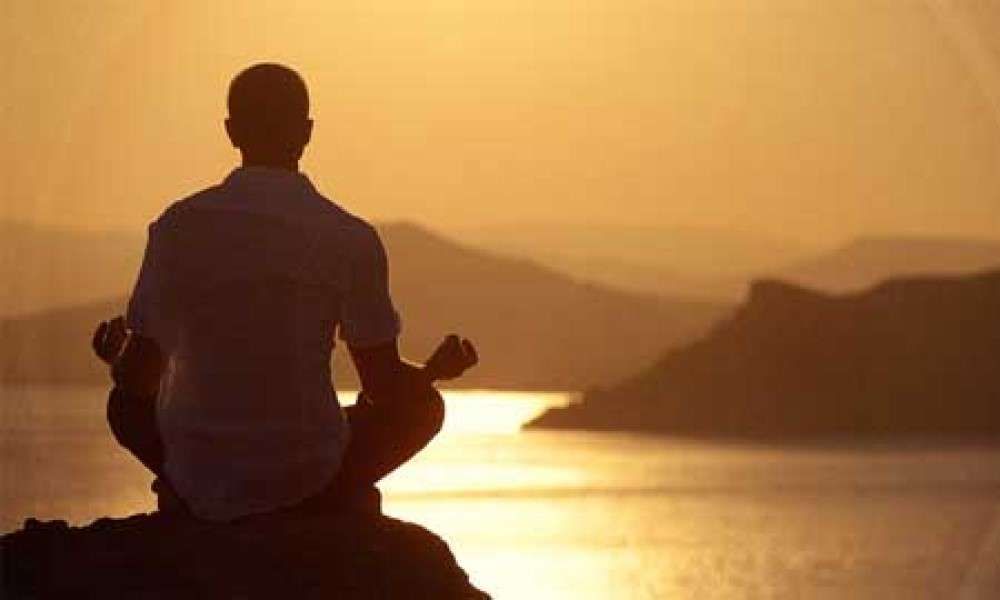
{"x": 817, "y": 120}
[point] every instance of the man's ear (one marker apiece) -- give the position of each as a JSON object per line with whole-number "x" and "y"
{"x": 232, "y": 132}
{"x": 307, "y": 131}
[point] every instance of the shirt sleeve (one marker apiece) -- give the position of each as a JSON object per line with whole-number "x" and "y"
{"x": 368, "y": 317}
{"x": 146, "y": 313}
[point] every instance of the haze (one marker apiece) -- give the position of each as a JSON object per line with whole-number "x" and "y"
{"x": 816, "y": 121}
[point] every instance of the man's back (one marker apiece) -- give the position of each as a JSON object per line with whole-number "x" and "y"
{"x": 244, "y": 286}
{"x": 242, "y": 289}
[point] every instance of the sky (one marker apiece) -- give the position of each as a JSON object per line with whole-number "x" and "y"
{"x": 812, "y": 120}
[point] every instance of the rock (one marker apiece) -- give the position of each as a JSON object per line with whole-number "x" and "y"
{"x": 344, "y": 555}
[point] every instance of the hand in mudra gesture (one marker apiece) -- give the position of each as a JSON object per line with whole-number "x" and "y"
{"x": 109, "y": 339}
{"x": 135, "y": 360}
{"x": 452, "y": 358}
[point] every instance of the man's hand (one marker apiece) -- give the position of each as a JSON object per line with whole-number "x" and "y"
{"x": 453, "y": 357}
{"x": 109, "y": 339}
{"x": 136, "y": 361}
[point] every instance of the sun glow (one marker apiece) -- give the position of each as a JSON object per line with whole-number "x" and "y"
{"x": 818, "y": 119}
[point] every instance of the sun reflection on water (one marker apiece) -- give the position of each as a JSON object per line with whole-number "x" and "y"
{"x": 563, "y": 514}
{"x": 472, "y": 454}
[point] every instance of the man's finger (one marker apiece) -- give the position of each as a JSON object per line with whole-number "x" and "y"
{"x": 470, "y": 352}
{"x": 115, "y": 336}
{"x": 97, "y": 342}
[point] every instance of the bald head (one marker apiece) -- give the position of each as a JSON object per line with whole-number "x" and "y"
{"x": 269, "y": 115}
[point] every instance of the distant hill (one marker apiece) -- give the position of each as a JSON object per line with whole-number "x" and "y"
{"x": 535, "y": 328}
{"x": 646, "y": 278}
{"x": 687, "y": 262}
{"x": 912, "y": 355}
{"x": 866, "y": 261}
{"x": 43, "y": 268}
{"x": 718, "y": 265}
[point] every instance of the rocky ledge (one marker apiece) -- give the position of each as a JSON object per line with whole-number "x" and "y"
{"x": 344, "y": 556}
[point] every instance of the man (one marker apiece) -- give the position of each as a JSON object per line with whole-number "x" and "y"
{"x": 222, "y": 362}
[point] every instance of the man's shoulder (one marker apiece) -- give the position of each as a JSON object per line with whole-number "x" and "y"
{"x": 318, "y": 213}
{"x": 338, "y": 219}
{"x": 180, "y": 209}
{"x": 330, "y": 213}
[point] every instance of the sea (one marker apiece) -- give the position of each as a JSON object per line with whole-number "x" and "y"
{"x": 581, "y": 515}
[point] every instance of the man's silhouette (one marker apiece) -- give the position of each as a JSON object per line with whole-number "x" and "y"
{"x": 222, "y": 362}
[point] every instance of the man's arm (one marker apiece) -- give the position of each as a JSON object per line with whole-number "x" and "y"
{"x": 128, "y": 344}
{"x": 385, "y": 374}
{"x": 370, "y": 327}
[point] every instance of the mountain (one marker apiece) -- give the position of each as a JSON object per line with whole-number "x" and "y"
{"x": 646, "y": 278}
{"x": 915, "y": 355}
{"x": 535, "y": 328}
{"x": 866, "y": 261}
{"x": 43, "y": 268}
{"x": 690, "y": 262}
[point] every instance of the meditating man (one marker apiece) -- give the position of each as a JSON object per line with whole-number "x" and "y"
{"x": 222, "y": 362}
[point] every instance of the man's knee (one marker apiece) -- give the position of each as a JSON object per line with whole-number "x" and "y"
{"x": 116, "y": 415}
{"x": 435, "y": 412}
{"x": 426, "y": 414}
{"x": 132, "y": 422}
{"x": 413, "y": 418}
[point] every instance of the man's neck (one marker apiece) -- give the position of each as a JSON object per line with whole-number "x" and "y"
{"x": 290, "y": 164}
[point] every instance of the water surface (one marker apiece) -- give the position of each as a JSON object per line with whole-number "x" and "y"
{"x": 604, "y": 516}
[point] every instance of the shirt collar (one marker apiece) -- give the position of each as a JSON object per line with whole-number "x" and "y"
{"x": 266, "y": 176}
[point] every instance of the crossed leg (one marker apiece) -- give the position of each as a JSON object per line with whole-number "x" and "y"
{"x": 384, "y": 436}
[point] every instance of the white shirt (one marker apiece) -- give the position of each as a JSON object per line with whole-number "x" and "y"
{"x": 243, "y": 286}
